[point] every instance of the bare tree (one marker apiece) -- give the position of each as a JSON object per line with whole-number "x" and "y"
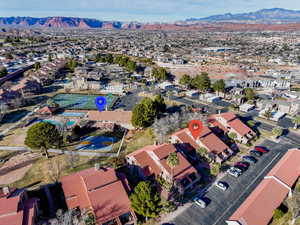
{"x": 166, "y": 125}
{"x": 72, "y": 158}
{"x": 54, "y": 170}
{"x": 66, "y": 218}
{"x": 63, "y": 129}
{"x": 294, "y": 205}
{"x": 3, "y": 110}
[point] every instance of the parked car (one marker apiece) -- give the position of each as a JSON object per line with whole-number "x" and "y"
{"x": 200, "y": 202}
{"x": 261, "y": 149}
{"x": 222, "y": 185}
{"x": 250, "y": 159}
{"x": 243, "y": 164}
{"x": 239, "y": 168}
{"x": 256, "y": 153}
{"x": 234, "y": 172}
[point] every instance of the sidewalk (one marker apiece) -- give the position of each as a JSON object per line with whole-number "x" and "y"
{"x": 171, "y": 216}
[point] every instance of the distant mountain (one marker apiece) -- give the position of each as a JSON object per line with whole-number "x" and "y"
{"x": 57, "y": 22}
{"x": 274, "y": 15}
{"x": 275, "y": 19}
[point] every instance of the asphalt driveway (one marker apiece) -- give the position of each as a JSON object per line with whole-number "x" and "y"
{"x": 224, "y": 203}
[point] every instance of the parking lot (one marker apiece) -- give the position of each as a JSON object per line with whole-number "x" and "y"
{"x": 223, "y": 203}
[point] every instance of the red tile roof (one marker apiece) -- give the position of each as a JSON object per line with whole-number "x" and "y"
{"x": 207, "y": 138}
{"x": 100, "y": 190}
{"x": 111, "y": 116}
{"x": 12, "y": 212}
{"x": 152, "y": 166}
{"x": 228, "y": 116}
{"x": 232, "y": 121}
{"x": 288, "y": 168}
{"x": 259, "y": 207}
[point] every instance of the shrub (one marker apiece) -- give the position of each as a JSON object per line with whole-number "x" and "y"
{"x": 278, "y": 214}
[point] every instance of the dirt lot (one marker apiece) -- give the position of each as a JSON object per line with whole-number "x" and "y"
{"x": 16, "y": 167}
{"x": 215, "y": 71}
{"x": 15, "y": 137}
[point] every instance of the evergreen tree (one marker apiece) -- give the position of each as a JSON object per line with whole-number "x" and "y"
{"x": 37, "y": 66}
{"x": 296, "y": 121}
{"x": 109, "y": 58}
{"x": 3, "y": 72}
{"x": 42, "y": 136}
{"x": 145, "y": 200}
{"x": 50, "y": 58}
{"x": 185, "y": 80}
{"x": 249, "y": 93}
{"x": 72, "y": 64}
{"x": 160, "y": 74}
{"x": 131, "y": 66}
{"x": 202, "y": 82}
{"x": 219, "y": 86}
{"x": 143, "y": 114}
{"x": 172, "y": 161}
{"x": 277, "y": 131}
{"x": 160, "y": 104}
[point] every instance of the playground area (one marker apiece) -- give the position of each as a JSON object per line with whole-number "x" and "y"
{"x": 81, "y": 101}
{"x": 97, "y": 143}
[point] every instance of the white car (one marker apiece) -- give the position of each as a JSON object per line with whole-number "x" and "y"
{"x": 200, "y": 202}
{"x": 234, "y": 172}
{"x": 222, "y": 185}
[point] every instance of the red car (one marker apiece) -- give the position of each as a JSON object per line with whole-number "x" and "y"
{"x": 242, "y": 164}
{"x": 261, "y": 149}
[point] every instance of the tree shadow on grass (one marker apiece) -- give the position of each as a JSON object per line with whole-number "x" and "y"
{"x": 14, "y": 116}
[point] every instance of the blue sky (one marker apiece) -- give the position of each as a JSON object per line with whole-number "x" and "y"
{"x": 137, "y": 10}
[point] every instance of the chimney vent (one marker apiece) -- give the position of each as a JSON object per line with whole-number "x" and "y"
{"x": 97, "y": 166}
{"x": 5, "y": 190}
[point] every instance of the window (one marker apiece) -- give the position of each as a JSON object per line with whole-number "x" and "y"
{"x": 125, "y": 218}
{"x": 111, "y": 222}
{"x": 192, "y": 176}
{"x": 185, "y": 182}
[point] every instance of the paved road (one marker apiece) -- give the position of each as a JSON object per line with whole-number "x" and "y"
{"x": 127, "y": 102}
{"x": 223, "y": 204}
{"x": 211, "y": 108}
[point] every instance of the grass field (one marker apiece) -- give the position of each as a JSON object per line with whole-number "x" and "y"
{"x": 46, "y": 171}
{"x": 139, "y": 140}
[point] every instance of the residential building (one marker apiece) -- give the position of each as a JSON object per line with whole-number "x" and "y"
{"x": 16, "y": 208}
{"x": 216, "y": 148}
{"x": 259, "y": 207}
{"x": 166, "y": 86}
{"x": 230, "y": 123}
{"x": 122, "y": 118}
{"x": 152, "y": 161}
{"x": 81, "y": 83}
{"x": 101, "y": 191}
{"x": 246, "y": 107}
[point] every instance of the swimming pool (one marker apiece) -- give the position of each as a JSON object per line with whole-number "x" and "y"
{"x": 97, "y": 143}
{"x": 73, "y": 114}
{"x": 59, "y": 124}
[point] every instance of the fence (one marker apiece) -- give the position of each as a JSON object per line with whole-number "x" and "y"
{"x": 59, "y": 151}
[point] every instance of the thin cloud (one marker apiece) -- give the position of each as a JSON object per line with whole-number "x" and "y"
{"x": 141, "y": 10}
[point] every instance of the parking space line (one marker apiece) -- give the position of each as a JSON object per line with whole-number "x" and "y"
{"x": 257, "y": 177}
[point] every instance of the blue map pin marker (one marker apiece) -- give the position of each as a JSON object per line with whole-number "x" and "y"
{"x": 100, "y": 103}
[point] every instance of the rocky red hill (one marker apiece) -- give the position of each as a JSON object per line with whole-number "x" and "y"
{"x": 84, "y": 23}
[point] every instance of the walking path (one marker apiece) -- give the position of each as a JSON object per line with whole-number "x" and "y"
{"x": 16, "y": 124}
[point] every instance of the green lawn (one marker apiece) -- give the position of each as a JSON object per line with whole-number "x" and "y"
{"x": 140, "y": 139}
{"x": 40, "y": 174}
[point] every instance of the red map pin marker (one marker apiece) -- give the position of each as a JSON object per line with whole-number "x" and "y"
{"x": 195, "y": 127}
